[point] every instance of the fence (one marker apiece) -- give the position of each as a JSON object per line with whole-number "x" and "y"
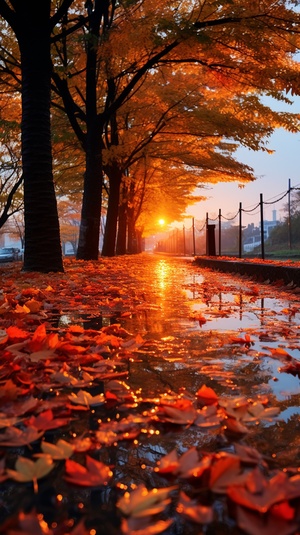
{"x": 229, "y": 236}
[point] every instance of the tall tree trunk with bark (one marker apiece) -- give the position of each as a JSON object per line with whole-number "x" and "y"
{"x": 89, "y": 234}
{"x": 109, "y": 243}
{"x": 42, "y": 237}
{"x": 121, "y": 246}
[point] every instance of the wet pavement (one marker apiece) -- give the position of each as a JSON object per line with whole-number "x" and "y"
{"x": 187, "y": 327}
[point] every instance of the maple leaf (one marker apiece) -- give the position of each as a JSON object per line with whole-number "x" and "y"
{"x": 225, "y": 472}
{"x": 207, "y": 395}
{"x": 208, "y": 416}
{"x": 256, "y": 411}
{"x": 169, "y": 464}
{"x": 17, "y": 335}
{"x": 85, "y": 398}
{"x": 59, "y": 451}
{"x": 143, "y": 502}
{"x": 46, "y": 421}
{"x": 260, "y": 494}
{"x": 192, "y": 510}
{"x": 254, "y": 524}
{"x": 191, "y": 466}
{"x": 94, "y": 474}
{"x": 17, "y": 437}
{"x": 27, "y": 470}
{"x": 10, "y": 391}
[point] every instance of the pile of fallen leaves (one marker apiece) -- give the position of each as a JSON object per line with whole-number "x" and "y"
{"x": 67, "y": 408}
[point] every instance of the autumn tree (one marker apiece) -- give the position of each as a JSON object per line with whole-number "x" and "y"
{"x": 32, "y": 22}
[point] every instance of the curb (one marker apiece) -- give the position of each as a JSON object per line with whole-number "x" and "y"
{"x": 259, "y": 271}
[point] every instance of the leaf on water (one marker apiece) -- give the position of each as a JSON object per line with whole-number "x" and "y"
{"x": 255, "y": 524}
{"x": 249, "y": 455}
{"x": 85, "y": 398}
{"x": 94, "y": 474}
{"x": 256, "y": 411}
{"x": 260, "y": 494}
{"x": 142, "y": 502}
{"x": 46, "y": 421}
{"x": 59, "y": 451}
{"x": 17, "y": 437}
{"x": 225, "y": 472}
{"x": 207, "y": 396}
{"x": 169, "y": 464}
{"x": 191, "y": 466}
{"x": 27, "y": 470}
{"x": 192, "y": 510}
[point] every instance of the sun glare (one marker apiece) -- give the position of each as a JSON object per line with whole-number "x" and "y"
{"x": 161, "y": 222}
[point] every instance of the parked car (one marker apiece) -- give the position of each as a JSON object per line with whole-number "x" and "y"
{"x": 9, "y": 254}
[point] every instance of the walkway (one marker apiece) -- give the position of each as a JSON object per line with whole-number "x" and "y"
{"x": 190, "y": 361}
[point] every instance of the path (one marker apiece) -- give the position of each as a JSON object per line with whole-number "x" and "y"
{"x": 168, "y": 328}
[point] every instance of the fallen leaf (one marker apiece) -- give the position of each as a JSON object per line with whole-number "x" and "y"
{"x": 28, "y": 470}
{"x": 143, "y": 502}
{"x": 192, "y": 510}
{"x": 94, "y": 474}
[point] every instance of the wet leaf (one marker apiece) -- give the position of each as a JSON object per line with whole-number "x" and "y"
{"x": 85, "y": 398}
{"x": 207, "y": 395}
{"x": 94, "y": 474}
{"x": 17, "y": 437}
{"x": 143, "y": 502}
{"x": 192, "y": 510}
{"x": 27, "y": 470}
{"x": 226, "y": 472}
{"x": 59, "y": 451}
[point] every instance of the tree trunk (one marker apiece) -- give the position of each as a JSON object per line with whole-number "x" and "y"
{"x": 122, "y": 230}
{"x": 89, "y": 234}
{"x": 42, "y": 238}
{"x": 109, "y": 242}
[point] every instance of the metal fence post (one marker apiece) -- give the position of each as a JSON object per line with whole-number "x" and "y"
{"x": 262, "y": 234}
{"x": 220, "y": 215}
{"x": 240, "y": 230}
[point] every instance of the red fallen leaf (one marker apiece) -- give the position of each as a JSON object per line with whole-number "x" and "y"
{"x": 174, "y": 415}
{"x": 255, "y": 524}
{"x": 192, "y": 510}
{"x": 94, "y": 474}
{"x": 279, "y": 351}
{"x": 71, "y": 348}
{"x": 46, "y": 421}
{"x": 240, "y": 340}
{"x": 208, "y": 416}
{"x": 225, "y": 472}
{"x": 207, "y": 395}
{"x": 261, "y": 494}
{"x": 190, "y": 466}
{"x": 17, "y": 437}
{"x": 249, "y": 455}
{"x": 169, "y": 464}
{"x": 38, "y": 338}
{"x": 10, "y": 391}
{"x": 234, "y": 426}
{"x": 18, "y": 408}
{"x": 283, "y": 510}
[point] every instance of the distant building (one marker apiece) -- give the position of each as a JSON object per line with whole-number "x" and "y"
{"x": 253, "y": 241}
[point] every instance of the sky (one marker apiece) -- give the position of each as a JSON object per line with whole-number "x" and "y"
{"x": 273, "y": 172}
